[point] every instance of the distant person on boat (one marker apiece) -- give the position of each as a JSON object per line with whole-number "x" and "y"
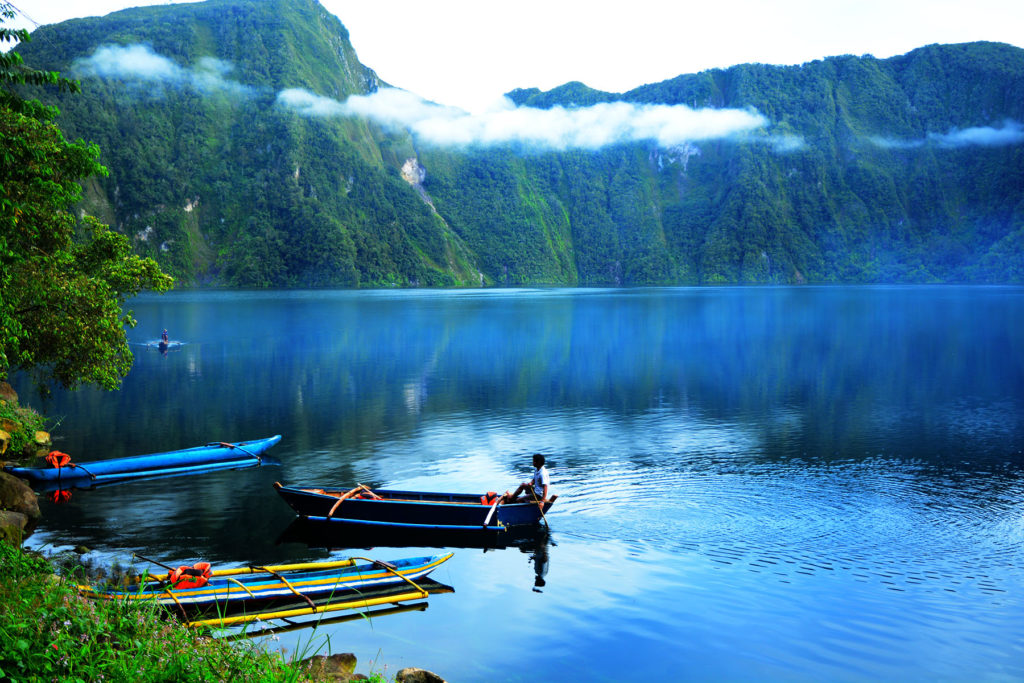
{"x": 536, "y": 489}
{"x": 164, "y": 338}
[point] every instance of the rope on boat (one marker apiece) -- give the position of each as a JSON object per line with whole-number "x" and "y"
{"x": 292, "y": 588}
{"x": 244, "y": 450}
{"x": 345, "y": 496}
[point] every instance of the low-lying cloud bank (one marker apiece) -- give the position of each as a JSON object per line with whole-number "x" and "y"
{"x": 139, "y": 64}
{"x": 1011, "y": 133}
{"x": 557, "y": 128}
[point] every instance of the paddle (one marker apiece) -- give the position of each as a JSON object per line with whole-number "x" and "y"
{"x": 487, "y": 519}
{"x": 159, "y": 564}
{"x": 540, "y": 506}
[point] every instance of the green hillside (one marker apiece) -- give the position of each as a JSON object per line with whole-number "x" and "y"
{"x": 907, "y": 169}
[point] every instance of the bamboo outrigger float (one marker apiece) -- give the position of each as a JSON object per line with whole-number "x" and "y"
{"x": 249, "y": 593}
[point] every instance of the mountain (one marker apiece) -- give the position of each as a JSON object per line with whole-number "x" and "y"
{"x": 908, "y": 169}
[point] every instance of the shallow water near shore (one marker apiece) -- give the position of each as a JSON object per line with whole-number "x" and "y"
{"x": 754, "y": 483}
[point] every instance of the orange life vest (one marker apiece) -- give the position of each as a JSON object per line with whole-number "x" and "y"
{"x": 195, "y": 576}
{"x": 489, "y": 498}
{"x": 58, "y": 459}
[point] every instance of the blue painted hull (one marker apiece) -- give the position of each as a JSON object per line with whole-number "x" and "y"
{"x": 408, "y": 509}
{"x": 186, "y": 461}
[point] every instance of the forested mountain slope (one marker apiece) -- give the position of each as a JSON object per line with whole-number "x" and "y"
{"x": 909, "y": 169}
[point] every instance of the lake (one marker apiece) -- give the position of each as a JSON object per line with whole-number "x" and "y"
{"x": 763, "y": 483}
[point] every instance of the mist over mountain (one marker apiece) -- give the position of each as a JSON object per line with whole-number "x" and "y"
{"x": 248, "y": 146}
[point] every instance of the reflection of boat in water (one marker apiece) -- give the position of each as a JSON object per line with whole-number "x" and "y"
{"x": 165, "y": 345}
{"x": 338, "y": 534}
{"x": 431, "y": 586}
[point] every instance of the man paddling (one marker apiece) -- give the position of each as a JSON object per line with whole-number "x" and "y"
{"x": 536, "y": 489}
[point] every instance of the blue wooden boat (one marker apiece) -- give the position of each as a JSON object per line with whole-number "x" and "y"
{"x": 212, "y": 456}
{"x": 227, "y": 589}
{"x": 409, "y": 509}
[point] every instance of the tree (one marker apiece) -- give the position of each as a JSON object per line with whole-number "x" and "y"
{"x": 63, "y": 280}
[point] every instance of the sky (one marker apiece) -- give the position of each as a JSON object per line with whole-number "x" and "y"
{"x": 468, "y": 53}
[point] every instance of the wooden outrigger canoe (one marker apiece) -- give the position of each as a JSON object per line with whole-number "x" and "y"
{"x": 212, "y": 456}
{"x": 227, "y": 589}
{"x": 410, "y": 509}
{"x": 248, "y": 594}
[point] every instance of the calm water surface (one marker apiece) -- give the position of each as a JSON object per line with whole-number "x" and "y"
{"x": 755, "y": 483}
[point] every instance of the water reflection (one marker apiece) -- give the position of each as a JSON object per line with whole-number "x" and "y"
{"x": 772, "y": 483}
{"x": 337, "y": 535}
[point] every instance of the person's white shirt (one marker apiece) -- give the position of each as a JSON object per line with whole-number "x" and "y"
{"x": 540, "y": 480}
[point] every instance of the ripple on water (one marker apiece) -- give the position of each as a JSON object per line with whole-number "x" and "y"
{"x": 897, "y": 524}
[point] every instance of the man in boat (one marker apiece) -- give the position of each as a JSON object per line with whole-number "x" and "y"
{"x": 164, "y": 338}
{"x": 536, "y": 489}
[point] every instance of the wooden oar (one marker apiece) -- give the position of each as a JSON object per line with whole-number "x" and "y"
{"x": 487, "y": 519}
{"x": 540, "y": 506}
{"x": 159, "y": 564}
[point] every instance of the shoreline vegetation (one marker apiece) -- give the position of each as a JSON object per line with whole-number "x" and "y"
{"x": 50, "y": 632}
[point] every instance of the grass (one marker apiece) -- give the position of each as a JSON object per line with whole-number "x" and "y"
{"x": 48, "y": 632}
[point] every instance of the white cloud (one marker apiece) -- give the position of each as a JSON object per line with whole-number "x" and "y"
{"x": 129, "y": 62}
{"x": 557, "y": 128}
{"x": 140, "y": 64}
{"x": 1011, "y": 133}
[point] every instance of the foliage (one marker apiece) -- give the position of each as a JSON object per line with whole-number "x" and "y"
{"x": 25, "y": 422}
{"x": 847, "y": 185}
{"x": 63, "y": 280}
{"x": 48, "y": 632}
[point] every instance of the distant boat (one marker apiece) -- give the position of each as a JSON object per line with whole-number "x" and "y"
{"x": 410, "y": 509}
{"x": 212, "y": 456}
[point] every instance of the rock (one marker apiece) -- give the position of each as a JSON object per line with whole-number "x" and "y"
{"x": 8, "y": 393}
{"x": 339, "y": 667}
{"x": 17, "y": 496}
{"x": 12, "y": 526}
{"x": 5, "y": 441}
{"x": 413, "y": 675}
{"x": 43, "y": 439}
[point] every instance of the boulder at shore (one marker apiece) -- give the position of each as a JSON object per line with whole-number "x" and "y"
{"x": 18, "y": 498}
